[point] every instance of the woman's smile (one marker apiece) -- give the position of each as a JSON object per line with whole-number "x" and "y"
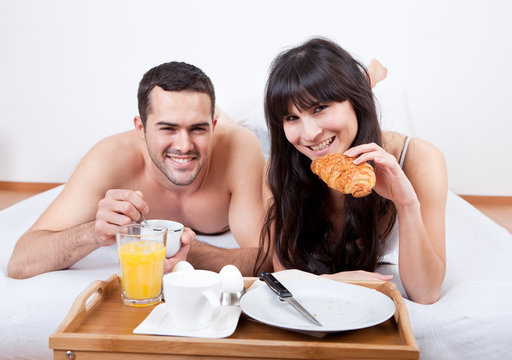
{"x": 323, "y": 145}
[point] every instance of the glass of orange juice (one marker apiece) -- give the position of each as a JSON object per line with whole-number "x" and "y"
{"x": 141, "y": 250}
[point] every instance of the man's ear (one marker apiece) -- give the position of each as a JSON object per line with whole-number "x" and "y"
{"x": 216, "y": 117}
{"x": 139, "y": 127}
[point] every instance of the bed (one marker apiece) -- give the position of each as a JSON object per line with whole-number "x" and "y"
{"x": 472, "y": 320}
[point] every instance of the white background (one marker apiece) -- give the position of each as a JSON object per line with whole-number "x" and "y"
{"x": 69, "y": 71}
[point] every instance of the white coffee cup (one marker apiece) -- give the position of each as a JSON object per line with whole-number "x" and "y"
{"x": 192, "y": 298}
{"x": 174, "y": 231}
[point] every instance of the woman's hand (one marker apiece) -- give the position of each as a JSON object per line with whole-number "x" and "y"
{"x": 358, "y": 275}
{"x": 392, "y": 183}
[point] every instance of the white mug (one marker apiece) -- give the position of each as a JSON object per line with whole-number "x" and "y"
{"x": 174, "y": 231}
{"x": 192, "y": 298}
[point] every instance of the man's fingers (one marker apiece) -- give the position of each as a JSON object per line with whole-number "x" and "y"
{"x": 106, "y": 232}
{"x": 121, "y": 207}
{"x": 135, "y": 198}
{"x": 188, "y": 236}
{"x": 112, "y": 217}
{"x": 179, "y": 256}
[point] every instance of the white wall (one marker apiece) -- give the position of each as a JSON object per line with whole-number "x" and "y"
{"x": 69, "y": 71}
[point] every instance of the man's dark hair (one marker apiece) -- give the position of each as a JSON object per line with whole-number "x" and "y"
{"x": 173, "y": 76}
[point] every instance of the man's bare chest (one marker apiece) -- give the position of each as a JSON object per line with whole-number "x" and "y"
{"x": 205, "y": 212}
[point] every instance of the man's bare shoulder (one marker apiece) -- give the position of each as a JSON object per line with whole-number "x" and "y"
{"x": 238, "y": 151}
{"x": 122, "y": 145}
{"x": 235, "y": 139}
{"x": 110, "y": 164}
{"x": 112, "y": 159}
{"x": 123, "y": 148}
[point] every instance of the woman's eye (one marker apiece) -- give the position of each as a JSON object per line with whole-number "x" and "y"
{"x": 290, "y": 118}
{"x": 320, "y": 108}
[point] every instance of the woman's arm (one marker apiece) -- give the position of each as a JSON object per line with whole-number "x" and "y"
{"x": 419, "y": 193}
{"x": 422, "y": 263}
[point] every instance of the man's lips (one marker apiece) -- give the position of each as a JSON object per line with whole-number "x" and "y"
{"x": 181, "y": 160}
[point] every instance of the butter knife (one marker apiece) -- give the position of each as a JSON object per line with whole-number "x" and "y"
{"x": 286, "y": 295}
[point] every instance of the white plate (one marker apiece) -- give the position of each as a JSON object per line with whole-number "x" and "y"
{"x": 159, "y": 322}
{"x": 338, "y": 306}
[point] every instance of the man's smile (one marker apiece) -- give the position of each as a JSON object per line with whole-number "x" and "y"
{"x": 181, "y": 160}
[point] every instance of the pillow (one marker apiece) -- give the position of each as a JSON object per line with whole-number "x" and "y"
{"x": 249, "y": 113}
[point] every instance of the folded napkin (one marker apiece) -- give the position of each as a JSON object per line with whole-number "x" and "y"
{"x": 290, "y": 275}
{"x": 159, "y": 322}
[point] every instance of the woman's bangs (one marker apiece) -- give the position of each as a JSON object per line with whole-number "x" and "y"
{"x": 302, "y": 97}
{"x": 312, "y": 90}
{"x": 303, "y": 84}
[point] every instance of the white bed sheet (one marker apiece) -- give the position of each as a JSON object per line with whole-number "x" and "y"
{"x": 472, "y": 320}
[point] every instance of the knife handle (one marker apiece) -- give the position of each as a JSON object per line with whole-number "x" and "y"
{"x": 275, "y": 285}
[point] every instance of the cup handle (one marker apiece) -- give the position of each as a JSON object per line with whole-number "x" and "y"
{"x": 214, "y": 304}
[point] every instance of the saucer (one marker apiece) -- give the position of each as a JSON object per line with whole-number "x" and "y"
{"x": 159, "y": 322}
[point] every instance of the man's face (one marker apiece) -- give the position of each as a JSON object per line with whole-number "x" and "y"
{"x": 179, "y": 133}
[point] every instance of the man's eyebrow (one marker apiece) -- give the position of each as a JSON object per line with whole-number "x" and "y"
{"x": 165, "y": 123}
{"x": 201, "y": 124}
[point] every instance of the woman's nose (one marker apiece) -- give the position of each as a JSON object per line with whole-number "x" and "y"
{"x": 311, "y": 130}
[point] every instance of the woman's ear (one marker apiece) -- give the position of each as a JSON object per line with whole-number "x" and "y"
{"x": 139, "y": 126}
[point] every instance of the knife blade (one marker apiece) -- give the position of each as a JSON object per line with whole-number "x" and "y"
{"x": 285, "y": 295}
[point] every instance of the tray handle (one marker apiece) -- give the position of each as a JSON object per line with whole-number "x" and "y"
{"x": 85, "y": 302}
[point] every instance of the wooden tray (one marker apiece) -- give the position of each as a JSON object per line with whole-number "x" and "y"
{"x": 100, "y": 326}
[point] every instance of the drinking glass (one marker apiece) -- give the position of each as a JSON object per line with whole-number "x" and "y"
{"x": 141, "y": 251}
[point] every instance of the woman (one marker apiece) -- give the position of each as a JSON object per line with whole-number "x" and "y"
{"x": 318, "y": 101}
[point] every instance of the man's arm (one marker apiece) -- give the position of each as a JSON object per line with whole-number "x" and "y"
{"x": 205, "y": 256}
{"x": 246, "y": 213}
{"x": 245, "y": 176}
{"x": 247, "y": 210}
{"x": 67, "y": 230}
{"x": 39, "y": 251}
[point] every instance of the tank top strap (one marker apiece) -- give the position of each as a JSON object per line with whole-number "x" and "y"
{"x": 404, "y": 151}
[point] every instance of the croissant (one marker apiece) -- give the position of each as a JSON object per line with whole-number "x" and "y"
{"x": 340, "y": 173}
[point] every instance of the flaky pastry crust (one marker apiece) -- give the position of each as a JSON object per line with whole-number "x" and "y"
{"x": 339, "y": 172}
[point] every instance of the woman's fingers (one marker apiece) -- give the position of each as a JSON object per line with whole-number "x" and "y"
{"x": 363, "y": 148}
{"x": 358, "y": 275}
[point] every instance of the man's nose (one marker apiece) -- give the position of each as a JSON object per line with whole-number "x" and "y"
{"x": 183, "y": 142}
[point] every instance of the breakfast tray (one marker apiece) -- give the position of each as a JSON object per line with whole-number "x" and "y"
{"x": 99, "y": 325}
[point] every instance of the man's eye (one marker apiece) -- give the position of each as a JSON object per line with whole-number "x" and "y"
{"x": 198, "y": 129}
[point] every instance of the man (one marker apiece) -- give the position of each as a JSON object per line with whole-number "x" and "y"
{"x": 178, "y": 163}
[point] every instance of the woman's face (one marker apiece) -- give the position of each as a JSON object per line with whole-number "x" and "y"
{"x": 322, "y": 129}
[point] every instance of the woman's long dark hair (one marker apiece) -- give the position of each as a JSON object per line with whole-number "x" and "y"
{"x": 319, "y": 71}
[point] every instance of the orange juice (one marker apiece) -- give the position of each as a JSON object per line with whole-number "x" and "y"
{"x": 142, "y": 268}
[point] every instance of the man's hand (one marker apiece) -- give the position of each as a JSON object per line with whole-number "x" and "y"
{"x": 187, "y": 238}
{"x": 118, "y": 208}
